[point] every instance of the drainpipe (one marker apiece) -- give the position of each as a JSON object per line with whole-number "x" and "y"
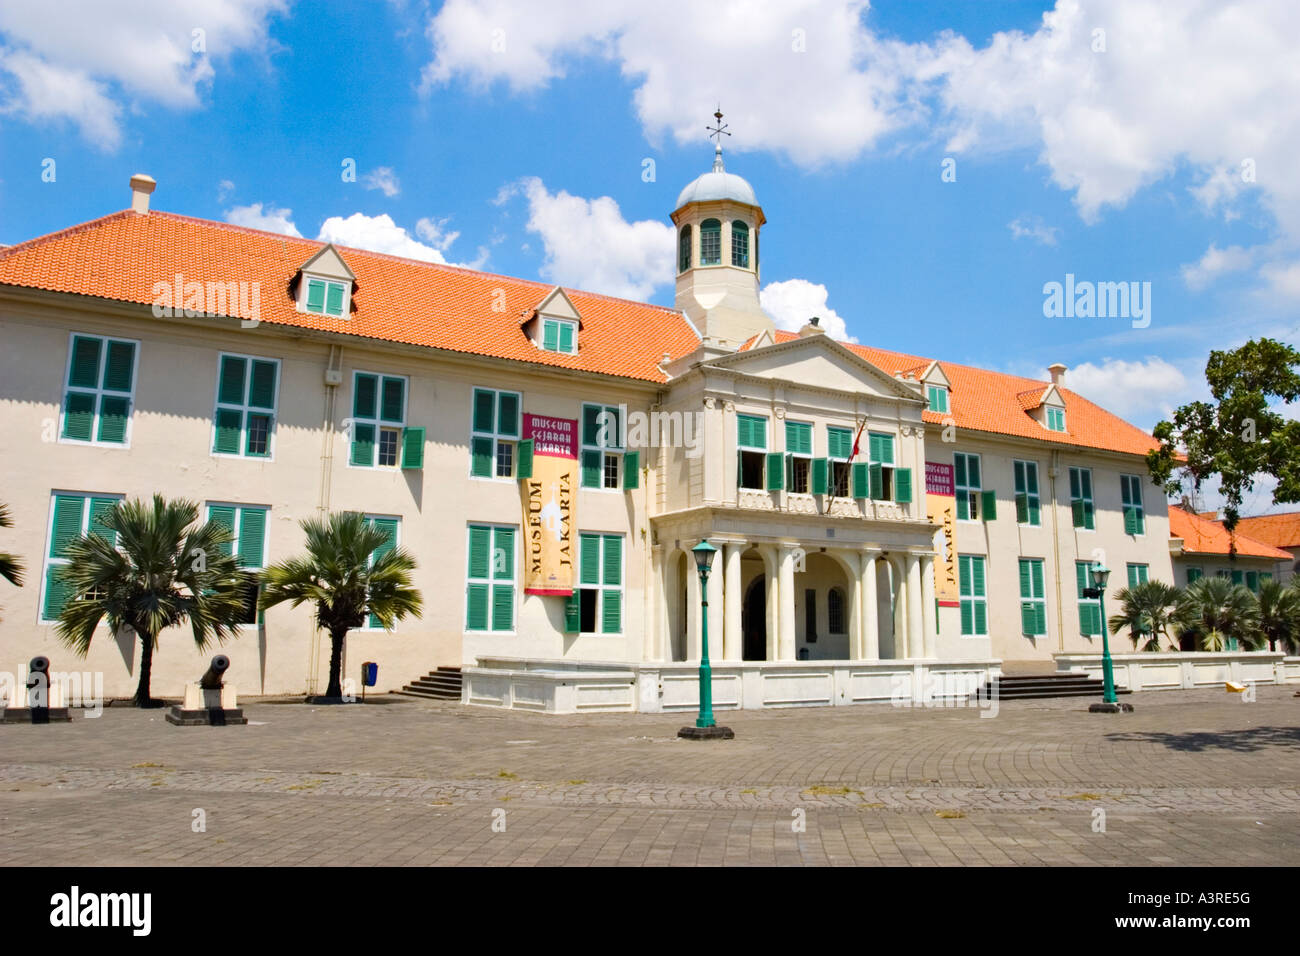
{"x": 333, "y": 378}
{"x": 1052, "y": 470}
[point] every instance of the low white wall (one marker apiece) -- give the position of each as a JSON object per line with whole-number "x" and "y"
{"x": 1187, "y": 669}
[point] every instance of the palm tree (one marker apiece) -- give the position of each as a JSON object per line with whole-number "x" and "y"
{"x": 346, "y": 580}
{"x": 11, "y": 569}
{"x": 1279, "y": 614}
{"x": 1147, "y": 611}
{"x": 1212, "y": 610}
{"x": 158, "y": 571}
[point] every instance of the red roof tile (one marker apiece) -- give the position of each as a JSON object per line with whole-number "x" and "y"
{"x": 1279, "y": 530}
{"x": 1202, "y": 536}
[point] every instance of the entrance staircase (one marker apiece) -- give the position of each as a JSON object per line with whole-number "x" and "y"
{"x": 1042, "y": 686}
{"x": 441, "y": 684}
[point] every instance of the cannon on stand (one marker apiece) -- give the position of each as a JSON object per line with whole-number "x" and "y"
{"x": 43, "y": 697}
{"x": 209, "y": 701}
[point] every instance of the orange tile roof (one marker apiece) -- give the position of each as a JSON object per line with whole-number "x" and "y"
{"x": 996, "y": 402}
{"x": 1202, "y": 536}
{"x": 123, "y": 255}
{"x": 1279, "y": 530}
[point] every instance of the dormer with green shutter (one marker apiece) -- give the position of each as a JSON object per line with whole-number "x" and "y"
{"x": 554, "y": 325}
{"x": 938, "y": 389}
{"x": 324, "y": 285}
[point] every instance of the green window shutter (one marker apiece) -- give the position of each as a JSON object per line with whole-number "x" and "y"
{"x": 551, "y": 335}
{"x": 363, "y": 444}
{"x": 751, "y": 431}
{"x": 66, "y": 528}
{"x": 881, "y": 447}
{"x": 230, "y": 391}
{"x": 632, "y": 470}
{"x": 508, "y": 415}
{"x": 573, "y": 613}
{"x": 1041, "y": 623}
{"x": 83, "y": 371}
{"x": 1085, "y": 619}
{"x": 389, "y": 527}
{"x": 1130, "y": 520}
{"x": 1028, "y": 617}
{"x": 1193, "y": 575}
{"x": 413, "y": 448}
{"x": 393, "y": 394}
{"x": 1026, "y": 579}
{"x": 1031, "y": 478}
{"x": 229, "y": 424}
{"x": 56, "y": 593}
{"x": 117, "y": 368}
{"x": 775, "y": 471}
{"x": 252, "y": 537}
{"x": 1034, "y": 512}
{"x": 364, "y": 398}
{"x": 334, "y": 299}
{"x": 484, "y": 410}
{"x": 839, "y": 442}
{"x": 967, "y": 617}
{"x": 503, "y": 554}
{"x": 877, "y": 481}
{"x": 591, "y": 424}
{"x": 798, "y": 438}
{"x": 1076, "y": 512}
{"x": 977, "y": 577}
{"x": 973, "y": 470}
{"x": 1022, "y": 508}
{"x": 113, "y": 414}
{"x": 981, "y": 618}
{"x": 589, "y": 559}
{"x": 315, "y": 295}
{"x": 503, "y": 607}
{"x": 613, "y": 548}
{"x": 1132, "y": 575}
{"x": 79, "y": 416}
{"x": 566, "y": 337}
{"x": 1019, "y": 471}
{"x": 261, "y": 390}
{"x": 1236, "y": 577}
{"x": 903, "y": 485}
{"x": 1037, "y": 567}
{"x": 963, "y": 576}
{"x": 223, "y": 515}
{"x": 1075, "y": 491}
{"x": 861, "y": 480}
{"x": 959, "y": 469}
{"x": 592, "y": 460}
{"x": 611, "y": 612}
{"x": 820, "y": 469}
{"x": 476, "y": 607}
{"x": 100, "y": 509}
{"x": 480, "y": 547}
{"x": 524, "y": 465}
{"x": 480, "y": 461}
{"x": 989, "y": 505}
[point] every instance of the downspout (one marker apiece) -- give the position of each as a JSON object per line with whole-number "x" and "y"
{"x": 1056, "y": 550}
{"x": 333, "y": 378}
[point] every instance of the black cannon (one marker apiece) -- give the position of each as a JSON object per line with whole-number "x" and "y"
{"x": 37, "y": 709}
{"x": 211, "y": 679}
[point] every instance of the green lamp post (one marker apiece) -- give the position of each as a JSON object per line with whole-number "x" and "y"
{"x": 1110, "y": 704}
{"x": 706, "y": 727}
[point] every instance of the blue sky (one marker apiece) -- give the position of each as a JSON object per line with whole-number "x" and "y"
{"x": 494, "y": 136}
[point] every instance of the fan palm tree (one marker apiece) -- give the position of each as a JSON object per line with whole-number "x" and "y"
{"x": 1279, "y": 614}
{"x": 1213, "y": 610}
{"x": 346, "y": 580}
{"x": 1147, "y": 611}
{"x": 11, "y": 569}
{"x": 159, "y": 570}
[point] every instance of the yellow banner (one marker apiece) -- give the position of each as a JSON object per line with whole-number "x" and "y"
{"x": 550, "y": 499}
{"x": 942, "y": 510}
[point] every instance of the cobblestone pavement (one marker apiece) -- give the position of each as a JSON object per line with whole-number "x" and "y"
{"x": 1193, "y": 777}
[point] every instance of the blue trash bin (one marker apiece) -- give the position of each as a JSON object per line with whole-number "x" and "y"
{"x": 369, "y": 673}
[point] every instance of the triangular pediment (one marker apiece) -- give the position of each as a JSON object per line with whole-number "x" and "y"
{"x": 934, "y": 375}
{"x": 558, "y": 305}
{"x": 817, "y": 361}
{"x": 327, "y": 262}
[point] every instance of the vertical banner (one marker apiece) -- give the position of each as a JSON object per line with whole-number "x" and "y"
{"x": 941, "y": 506}
{"x": 550, "y": 501}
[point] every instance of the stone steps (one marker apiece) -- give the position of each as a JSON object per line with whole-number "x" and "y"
{"x": 441, "y": 684}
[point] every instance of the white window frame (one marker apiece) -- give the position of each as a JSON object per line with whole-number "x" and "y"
{"x": 495, "y": 435}
{"x": 48, "y": 561}
{"x": 370, "y": 558}
{"x": 832, "y": 461}
{"x": 930, "y": 392}
{"x": 806, "y": 458}
{"x": 1049, "y": 413}
{"x": 234, "y": 545}
{"x": 491, "y": 580}
{"x": 379, "y": 424}
{"x": 602, "y": 587}
{"x": 753, "y": 449}
{"x": 1035, "y": 497}
{"x": 607, "y": 452}
{"x": 245, "y": 409}
{"x": 974, "y": 598}
{"x": 99, "y": 391}
{"x": 972, "y": 503}
{"x": 305, "y": 284}
{"x": 1135, "y": 482}
{"x": 1089, "y": 498}
{"x": 559, "y": 323}
{"x": 1040, "y": 599}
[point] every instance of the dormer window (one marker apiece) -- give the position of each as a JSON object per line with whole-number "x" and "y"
{"x": 710, "y": 242}
{"x": 326, "y": 297}
{"x": 684, "y": 249}
{"x": 740, "y": 244}
{"x": 1055, "y": 419}
{"x": 938, "y": 397}
{"x": 560, "y": 335}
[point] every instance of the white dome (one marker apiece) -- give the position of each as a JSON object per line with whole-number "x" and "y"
{"x": 718, "y": 184}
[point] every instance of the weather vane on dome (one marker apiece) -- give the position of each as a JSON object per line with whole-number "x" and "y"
{"x": 716, "y": 133}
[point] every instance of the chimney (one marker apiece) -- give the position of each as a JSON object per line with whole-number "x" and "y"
{"x": 1057, "y": 371}
{"x": 141, "y": 187}
{"x": 813, "y": 327}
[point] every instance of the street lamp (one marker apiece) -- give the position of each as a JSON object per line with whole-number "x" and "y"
{"x": 705, "y": 727}
{"x": 1110, "y": 704}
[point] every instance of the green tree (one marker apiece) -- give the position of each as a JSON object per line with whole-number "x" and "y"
{"x": 1147, "y": 610}
{"x": 159, "y": 569}
{"x": 11, "y": 569}
{"x": 1213, "y": 610}
{"x": 1279, "y": 614}
{"x": 339, "y": 577}
{"x": 1237, "y": 436}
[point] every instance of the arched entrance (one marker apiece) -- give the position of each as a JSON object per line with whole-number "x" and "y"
{"x": 753, "y": 621}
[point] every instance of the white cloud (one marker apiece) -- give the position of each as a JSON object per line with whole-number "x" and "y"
{"x": 590, "y": 246}
{"x": 1214, "y": 263}
{"x": 1283, "y": 278}
{"x": 1033, "y": 227}
{"x": 793, "y": 302}
{"x": 378, "y": 234}
{"x": 434, "y": 232}
{"x": 224, "y": 189}
{"x": 383, "y": 179}
{"x": 1140, "y": 391}
{"x": 270, "y": 219}
{"x": 81, "y": 62}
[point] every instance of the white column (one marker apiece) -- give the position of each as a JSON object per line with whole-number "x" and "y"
{"x": 693, "y": 616}
{"x": 928, "y": 609}
{"x": 870, "y": 609}
{"x": 853, "y": 604}
{"x": 772, "y": 568}
{"x": 915, "y": 646}
{"x": 654, "y": 644}
{"x": 785, "y": 646}
{"x": 716, "y": 607}
{"x": 732, "y": 602}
